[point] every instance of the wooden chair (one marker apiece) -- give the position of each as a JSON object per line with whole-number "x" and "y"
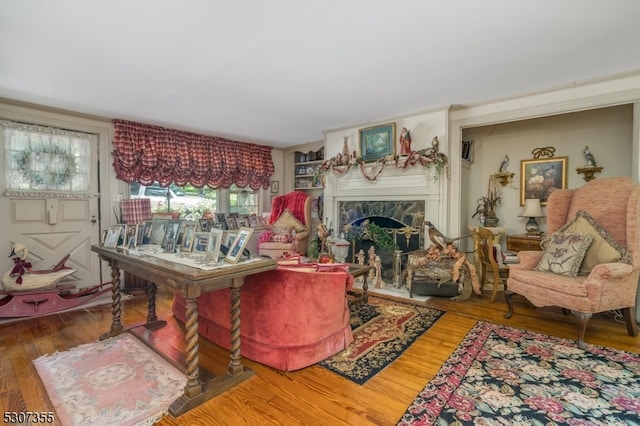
{"x": 484, "y": 248}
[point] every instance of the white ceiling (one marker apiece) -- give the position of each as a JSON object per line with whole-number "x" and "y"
{"x": 279, "y": 72}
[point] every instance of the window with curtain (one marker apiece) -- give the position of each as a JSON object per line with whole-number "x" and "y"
{"x": 45, "y": 160}
{"x": 243, "y": 201}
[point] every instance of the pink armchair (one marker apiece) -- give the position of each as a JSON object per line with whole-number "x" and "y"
{"x": 289, "y": 226}
{"x": 608, "y": 276}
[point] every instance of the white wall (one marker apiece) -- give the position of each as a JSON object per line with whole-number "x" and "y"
{"x": 607, "y": 132}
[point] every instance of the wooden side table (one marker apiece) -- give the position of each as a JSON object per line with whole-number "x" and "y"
{"x": 523, "y": 242}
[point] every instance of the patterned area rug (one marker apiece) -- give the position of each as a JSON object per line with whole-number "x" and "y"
{"x": 118, "y": 381}
{"x": 382, "y": 331}
{"x": 500, "y": 375}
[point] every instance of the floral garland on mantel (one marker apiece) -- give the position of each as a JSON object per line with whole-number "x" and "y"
{"x": 428, "y": 157}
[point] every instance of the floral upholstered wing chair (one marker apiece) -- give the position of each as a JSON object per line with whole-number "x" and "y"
{"x": 590, "y": 261}
{"x": 289, "y": 226}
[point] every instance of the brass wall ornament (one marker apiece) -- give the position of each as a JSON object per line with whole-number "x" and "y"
{"x": 547, "y": 151}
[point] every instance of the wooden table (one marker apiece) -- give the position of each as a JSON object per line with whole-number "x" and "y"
{"x": 524, "y": 242}
{"x": 191, "y": 282}
{"x": 356, "y": 270}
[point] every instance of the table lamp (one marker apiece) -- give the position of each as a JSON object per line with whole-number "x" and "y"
{"x": 532, "y": 209}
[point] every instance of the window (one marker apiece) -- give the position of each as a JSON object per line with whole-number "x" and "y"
{"x": 45, "y": 159}
{"x": 243, "y": 200}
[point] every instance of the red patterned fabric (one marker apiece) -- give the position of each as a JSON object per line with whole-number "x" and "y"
{"x": 146, "y": 153}
{"x": 135, "y": 210}
{"x": 294, "y": 201}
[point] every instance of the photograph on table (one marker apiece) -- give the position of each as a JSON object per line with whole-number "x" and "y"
{"x": 215, "y": 241}
{"x": 239, "y": 244}
{"x": 221, "y": 221}
{"x": 206, "y": 224}
{"x": 171, "y": 234}
{"x": 187, "y": 237}
{"x": 143, "y": 235}
{"x": 200, "y": 242}
{"x": 113, "y": 236}
{"x": 129, "y": 240}
{"x": 158, "y": 229}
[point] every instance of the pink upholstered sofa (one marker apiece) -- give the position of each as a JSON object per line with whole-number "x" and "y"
{"x": 290, "y": 318}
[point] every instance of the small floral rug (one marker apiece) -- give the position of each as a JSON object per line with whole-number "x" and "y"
{"x": 382, "y": 331}
{"x": 503, "y": 376}
{"x": 118, "y": 381}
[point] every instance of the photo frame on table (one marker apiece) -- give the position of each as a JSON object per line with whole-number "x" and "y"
{"x": 538, "y": 178}
{"x": 232, "y": 222}
{"x": 206, "y": 225}
{"x": 215, "y": 241}
{"x": 221, "y": 221}
{"x": 144, "y": 232}
{"x": 231, "y": 237}
{"x": 243, "y": 221}
{"x": 200, "y": 242}
{"x": 187, "y": 237}
{"x": 171, "y": 234}
{"x": 377, "y": 142}
{"x": 239, "y": 244}
{"x": 113, "y": 236}
{"x": 253, "y": 220}
{"x": 129, "y": 236}
{"x": 158, "y": 229}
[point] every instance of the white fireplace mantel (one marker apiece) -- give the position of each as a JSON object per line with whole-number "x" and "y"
{"x": 393, "y": 184}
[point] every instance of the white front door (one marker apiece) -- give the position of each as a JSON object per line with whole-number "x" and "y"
{"x": 53, "y": 226}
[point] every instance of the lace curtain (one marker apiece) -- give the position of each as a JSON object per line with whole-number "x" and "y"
{"x": 146, "y": 153}
{"x": 45, "y": 160}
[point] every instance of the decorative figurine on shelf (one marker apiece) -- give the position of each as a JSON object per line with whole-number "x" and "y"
{"x": 588, "y": 156}
{"x": 345, "y": 150}
{"x": 435, "y": 144}
{"x": 405, "y": 142}
{"x": 504, "y": 164}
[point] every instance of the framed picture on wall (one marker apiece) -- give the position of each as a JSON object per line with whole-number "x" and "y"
{"x": 538, "y": 178}
{"x": 377, "y": 142}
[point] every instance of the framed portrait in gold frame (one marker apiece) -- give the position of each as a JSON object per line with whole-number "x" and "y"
{"x": 538, "y": 178}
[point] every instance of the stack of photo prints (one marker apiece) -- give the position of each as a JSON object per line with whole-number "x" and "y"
{"x": 221, "y": 237}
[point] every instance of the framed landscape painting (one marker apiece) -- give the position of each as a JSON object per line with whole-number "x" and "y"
{"x": 538, "y": 178}
{"x": 377, "y": 142}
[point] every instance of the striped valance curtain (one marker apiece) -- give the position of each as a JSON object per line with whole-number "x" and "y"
{"x": 146, "y": 153}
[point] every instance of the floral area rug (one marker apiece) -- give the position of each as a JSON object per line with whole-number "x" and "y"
{"x": 502, "y": 376}
{"x": 118, "y": 381}
{"x": 382, "y": 331}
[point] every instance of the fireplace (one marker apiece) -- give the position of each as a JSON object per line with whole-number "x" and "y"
{"x": 398, "y": 200}
{"x": 402, "y": 220}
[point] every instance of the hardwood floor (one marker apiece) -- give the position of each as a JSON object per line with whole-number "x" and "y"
{"x": 312, "y": 396}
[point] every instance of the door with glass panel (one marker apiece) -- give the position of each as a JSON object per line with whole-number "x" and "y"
{"x": 50, "y": 199}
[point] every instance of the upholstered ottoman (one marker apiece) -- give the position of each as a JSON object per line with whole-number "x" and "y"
{"x": 289, "y": 318}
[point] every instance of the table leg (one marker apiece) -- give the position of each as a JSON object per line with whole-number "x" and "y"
{"x": 152, "y": 319}
{"x": 116, "y": 304}
{"x": 365, "y": 289}
{"x": 235, "y": 363}
{"x": 193, "y": 386}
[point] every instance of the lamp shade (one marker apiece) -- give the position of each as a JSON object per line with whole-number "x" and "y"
{"x": 532, "y": 208}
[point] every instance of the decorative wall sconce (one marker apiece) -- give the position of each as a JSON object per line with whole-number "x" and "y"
{"x": 589, "y": 172}
{"x": 590, "y": 168}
